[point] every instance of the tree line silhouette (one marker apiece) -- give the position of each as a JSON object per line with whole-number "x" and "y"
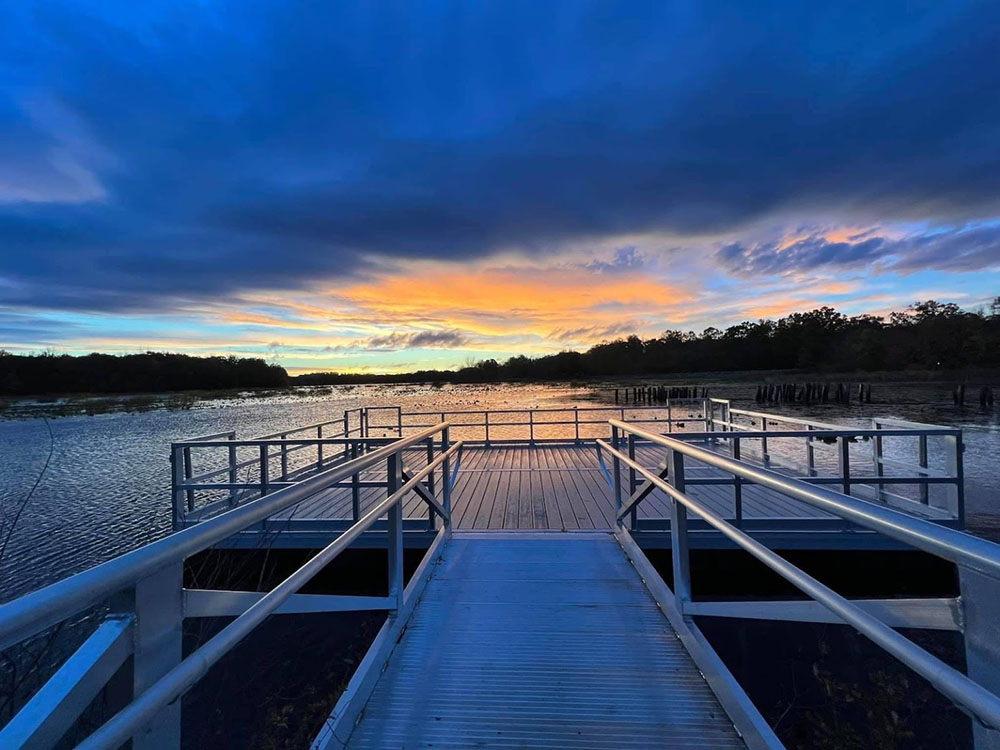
{"x": 927, "y": 335}
{"x": 24, "y": 375}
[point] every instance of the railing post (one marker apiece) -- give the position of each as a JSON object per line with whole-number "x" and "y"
{"x": 319, "y": 448}
{"x": 737, "y": 483}
{"x": 632, "y": 483}
{"x": 810, "y": 454}
{"x": 446, "y": 477}
{"x": 399, "y": 421}
{"x": 355, "y": 486}
{"x": 158, "y": 606}
{"x": 177, "y": 485}
{"x": 531, "y": 427}
{"x": 486, "y": 422}
{"x": 708, "y": 413}
{"x": 922, "y": 461}
{"x": 284, "y": 457}
{"x": 670, "y": 416}
{"x": 877, "y": 454}
{"x": 955, "y": 468}
{"x": 188, "y": 473}
{"x": 431, "y": 513}
{"x": 845, "y": 464}
{"x": 264, "y": 469}
{"x": 680, "y": 556}
{"x": 232, "y": 469}
{"x": 576, "y": 424}
{"x": 764, "y": 457}
{"x": 617, "y": 468}
{"x": 395, "y": 528}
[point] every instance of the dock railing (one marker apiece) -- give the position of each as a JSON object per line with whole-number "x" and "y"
{"x": 978, "y": 562}
{"x": 213, "y": 473}
{"x": 557, "y": 425}
{"x": 924, "y": 459}
{"x": 148, "y": 603}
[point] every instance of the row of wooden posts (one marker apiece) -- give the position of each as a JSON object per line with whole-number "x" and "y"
{"x": 657, "y": 394}
{"x": 985, "y": 395}
{"x": 837, "y": 393}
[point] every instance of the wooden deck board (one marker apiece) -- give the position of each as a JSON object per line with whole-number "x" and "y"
{"x": 546, "y": 487}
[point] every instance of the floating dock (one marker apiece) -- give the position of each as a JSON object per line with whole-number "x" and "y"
{"x": 534, "y": 618}
{"x": 545, "y": 469}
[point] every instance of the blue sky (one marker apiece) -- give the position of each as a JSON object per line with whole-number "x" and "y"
{"x": 385, "y": 186}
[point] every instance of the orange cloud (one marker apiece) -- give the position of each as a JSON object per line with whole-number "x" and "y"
{"x": 530, "y": 299}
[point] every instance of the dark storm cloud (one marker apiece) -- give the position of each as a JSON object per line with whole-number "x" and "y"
{"x": 966, "y": 249}
{"x": 157, "y": 152}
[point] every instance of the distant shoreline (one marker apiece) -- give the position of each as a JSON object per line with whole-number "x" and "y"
{"x": 83, "y": 403}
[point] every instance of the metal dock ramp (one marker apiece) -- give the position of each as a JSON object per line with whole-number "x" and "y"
{"x": 540, "y": 640}
{"x": 511, "y": 638}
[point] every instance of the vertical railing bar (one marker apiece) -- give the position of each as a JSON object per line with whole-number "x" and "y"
{"x": 284, "y": 457}
{"x": 632, "y": 484}
{"x": 680, "y": 557}
{"x": 188, "y": 473}
{"x": 845, "y": 464}
{"x": 446, "y": 476}
{"x": 431, "y": 514}
{"x": 177, "y": 482}
{"x": 264, "y": 469}
{"x": 355, "y": 486}
{"x": 319, "y": 448}
{"x": 395, "y": 529}
{"x": 810, "y": 454}
{"x": 232, "y": 469}
{"x": 878, "y": 454}
{"x": 737, "y": 482}
{"x": 922, "y": 461}
{"x": 764, "y": 456}
{"x": 956, "y": 469}
{"x": 617, "y": 464}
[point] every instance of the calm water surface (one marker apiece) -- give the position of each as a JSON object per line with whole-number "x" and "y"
{"x": 106, "y": 489}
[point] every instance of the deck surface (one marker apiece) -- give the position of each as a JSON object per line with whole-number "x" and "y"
{"x": 551, "y": 487}
{"x": 547, "y": 642}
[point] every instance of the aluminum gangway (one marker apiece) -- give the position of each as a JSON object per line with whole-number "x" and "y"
{"x": 569, "y": 635}
{"x": 541, "y": 640}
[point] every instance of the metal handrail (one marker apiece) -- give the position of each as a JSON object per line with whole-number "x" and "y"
{"x": 214, "y": 436}
{"x": 32, "y": 613}
{"x": 300, "y": 444}
{"x": 782, "y": 418}
{"x": 483, "y": 422}
{"x": 117, "y": 730}
{"x": 952, "y": 545}
{"x": 615, "y": 407}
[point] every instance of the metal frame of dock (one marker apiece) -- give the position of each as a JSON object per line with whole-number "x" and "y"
{"x": 494, "y": 613}
{"x": 542, "y": 469}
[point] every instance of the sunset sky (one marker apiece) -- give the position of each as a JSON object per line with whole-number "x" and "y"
{"x": 389, "y": 186}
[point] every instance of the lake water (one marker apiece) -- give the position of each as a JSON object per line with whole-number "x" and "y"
{"x": 106, "y": 488}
